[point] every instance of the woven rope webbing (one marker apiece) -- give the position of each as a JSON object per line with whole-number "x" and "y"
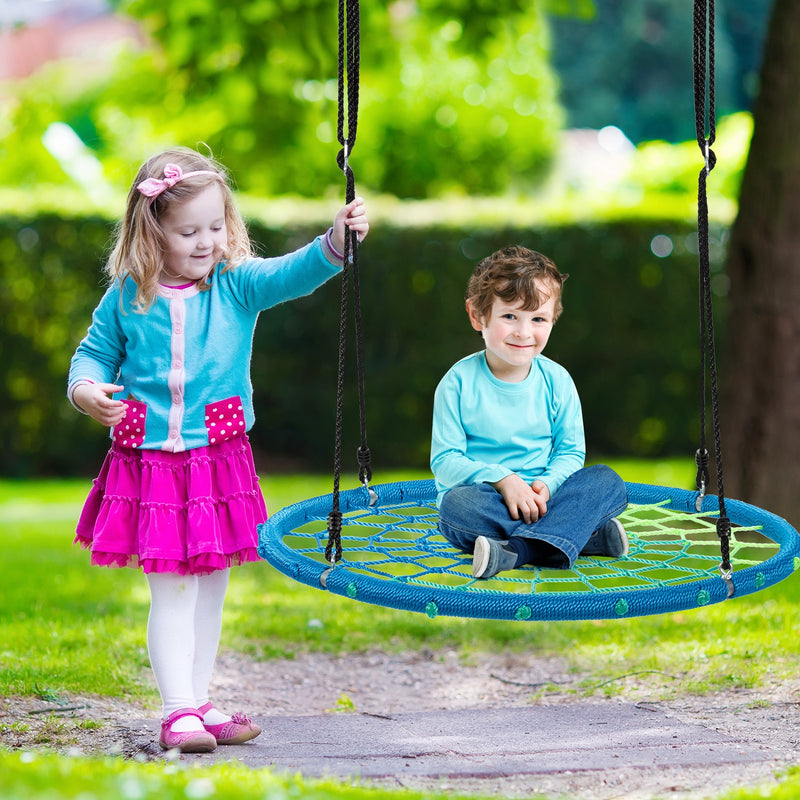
{"x": 347, "y": 126}
{"x": 395, "y": 557}
{"x": 705, "y": 125}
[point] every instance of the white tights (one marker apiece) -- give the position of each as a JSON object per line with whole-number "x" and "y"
{"x": 183, "y": 632}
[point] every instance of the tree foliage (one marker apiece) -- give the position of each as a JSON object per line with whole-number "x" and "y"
{"x": 456, "y": 96}
{"x": 629, "y": 64}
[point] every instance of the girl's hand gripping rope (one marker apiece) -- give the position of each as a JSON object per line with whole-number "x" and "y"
{"x": 352, "y": 217}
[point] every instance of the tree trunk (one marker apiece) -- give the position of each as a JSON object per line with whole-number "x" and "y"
{"x": 760, "y": 412}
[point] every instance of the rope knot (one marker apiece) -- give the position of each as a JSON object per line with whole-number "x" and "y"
{"x": 703, "y": 476}
{"x": 711, "y": 160}
{"x": 335, "y": 523}
{"x": 350, "y": 180}
{"x": 725, "y": 568}
{"x": 363, "y": 456}
{"x": 364, "y": 461}
{"x": 343, "y": 161}
{"x": 333, "y": 550}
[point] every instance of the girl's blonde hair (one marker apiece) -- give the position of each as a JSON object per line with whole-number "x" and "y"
{"x": 140, "y": 242}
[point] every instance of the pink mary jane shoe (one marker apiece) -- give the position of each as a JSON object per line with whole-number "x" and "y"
{"x": 240, "y": 729}
{"x": 185, "y": 741}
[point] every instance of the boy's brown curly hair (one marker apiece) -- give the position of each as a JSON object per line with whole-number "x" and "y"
{"x": 515, "y": 274}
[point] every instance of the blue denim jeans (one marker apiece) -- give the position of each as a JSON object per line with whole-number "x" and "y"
{"x": 583, "y": 503}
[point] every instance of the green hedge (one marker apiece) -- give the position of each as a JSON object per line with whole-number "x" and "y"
{"x": 629, "y": 336}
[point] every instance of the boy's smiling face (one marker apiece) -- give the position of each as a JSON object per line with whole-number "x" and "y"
{"x": 513, "y": 336}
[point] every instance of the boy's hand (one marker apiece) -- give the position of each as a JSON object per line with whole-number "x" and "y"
{"x": 523, "y": 500}
{"x": 540, "y": 488}
{"x": 94, "y": 400}
{"x": 352, "y": 217}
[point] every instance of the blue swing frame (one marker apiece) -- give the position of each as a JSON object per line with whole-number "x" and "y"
{"x": 435, "y": 600}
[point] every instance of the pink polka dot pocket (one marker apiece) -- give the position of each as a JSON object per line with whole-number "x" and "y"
{"x": 130, "y": 432}
{"x": 224, "y": 420}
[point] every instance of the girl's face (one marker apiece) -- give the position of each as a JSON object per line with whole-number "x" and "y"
{"x": 196, "y": 237}
{"x": 514, "y": 337}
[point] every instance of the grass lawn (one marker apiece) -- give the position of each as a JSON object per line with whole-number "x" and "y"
{"x": 68, "y": 627}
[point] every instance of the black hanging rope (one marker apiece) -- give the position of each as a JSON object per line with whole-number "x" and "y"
{"x": 705, "y": 124}
{"x": 347, "y": 125}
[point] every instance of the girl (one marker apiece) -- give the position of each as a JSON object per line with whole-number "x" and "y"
{"x": 165, "y": 365}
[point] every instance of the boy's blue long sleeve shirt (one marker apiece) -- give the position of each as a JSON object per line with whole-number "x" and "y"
{"x": 485, "y": 429}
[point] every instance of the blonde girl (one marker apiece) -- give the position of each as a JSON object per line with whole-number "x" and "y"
{"x": 165, "y": 365}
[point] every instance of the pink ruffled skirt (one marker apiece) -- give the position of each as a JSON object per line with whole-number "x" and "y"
{"x": 192, "y": 512}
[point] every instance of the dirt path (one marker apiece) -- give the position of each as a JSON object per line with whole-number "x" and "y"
{"x": 389, "y": 684}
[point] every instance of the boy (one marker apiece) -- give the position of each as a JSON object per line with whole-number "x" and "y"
{"x": 508, "y": 445}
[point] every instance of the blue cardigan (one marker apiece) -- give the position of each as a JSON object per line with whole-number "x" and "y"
{"x": 185, "y": 363}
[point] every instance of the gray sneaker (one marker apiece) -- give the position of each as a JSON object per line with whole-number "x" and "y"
{"x": 609, "y": 539}
{"x": 491, "y": 556}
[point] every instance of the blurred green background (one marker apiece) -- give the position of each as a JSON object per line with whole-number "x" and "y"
{"x": 481, "y": 124}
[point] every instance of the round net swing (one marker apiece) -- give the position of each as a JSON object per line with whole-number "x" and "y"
{"x": 395, "y": 557}
{"x": 687, "y": 550}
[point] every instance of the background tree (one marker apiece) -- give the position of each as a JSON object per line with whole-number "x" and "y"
{"x": 761, "y": 408}
{"x": 458, "y": 96}
{"x": 626, "y": 64}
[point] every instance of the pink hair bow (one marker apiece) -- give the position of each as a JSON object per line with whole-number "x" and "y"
{"x": 153, "y": 187}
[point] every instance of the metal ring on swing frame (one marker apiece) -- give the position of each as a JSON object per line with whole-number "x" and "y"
{"x": 373, "y": 495}
{"x": 701, "y": 493}
{"x": 323, "y": 578}
{"x": 727, "y": 576}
